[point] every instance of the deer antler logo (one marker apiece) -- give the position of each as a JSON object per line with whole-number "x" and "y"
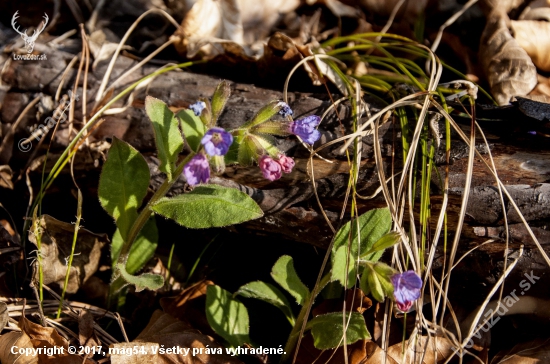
{"x": 29, "y": 40}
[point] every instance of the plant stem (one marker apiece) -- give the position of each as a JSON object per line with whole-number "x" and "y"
{"x": 75, "y": 235}
{"x": 293, "y": 337}
{"x": 142, "y": 218}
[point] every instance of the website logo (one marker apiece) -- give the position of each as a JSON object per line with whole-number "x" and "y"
{"x": 29, "y": 40}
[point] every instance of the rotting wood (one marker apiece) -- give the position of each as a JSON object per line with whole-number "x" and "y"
{"x": 290, "y": 205}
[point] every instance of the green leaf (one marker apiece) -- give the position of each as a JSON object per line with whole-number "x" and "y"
{"x": 193, "y": 128}
{"x": 372, "y": 226}
{"x": 364, "y": 283}
{"x": 268, "y": 293}
{"x": 123, "y": 184}
{"x": 265, "y": 113}
{"x": 142, "y": 250}
{"x": 374, "y": 283}
{"x": 232, "y": 155}
{"x": 167, "y": 134}
{"x": 227, "y": 316}
{"x": 386, "y": 241}
{"x": 338, "y": 271}
{"x": 143, "y": 281}
{"x": 209, "y": 206}
{"x": 328, "y": 329}
{"x": 268, "y": 142}
{"x": 283, "y": 272}
{"x": 272, "y": 127}
{"x": 219, "y": 99}
{"x": 248, "y": 151}
{"x": 206, "y": 114}
{"x": 385, "y": 272}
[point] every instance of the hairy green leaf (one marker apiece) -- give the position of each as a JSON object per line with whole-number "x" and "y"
{"x": 123, "y": 184}
{"x": 248, "y": 151}
{"x": 144, "y": 281}
{"x": 268, "y": 293}
{"x": 209, "y": 206}
{"x": 167, "y": 134}
{"x": 219, "y": 99}
{"x": 265, "y": 113}
{"x": 328, "y": 329}
{"x": 373, "y": 225}
{"x": 142, "y": 250}
{"x": 227, "y": 316}
{"x": 343, "y": 266}
{"x": 283, "y": 272}
{"x": 386, "y": 241}
{"x": 193, "y": 128}
{"x": 268, "y": 142}
{"x": 374, "y": 283}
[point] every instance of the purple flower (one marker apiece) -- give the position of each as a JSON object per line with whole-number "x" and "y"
{"x": 285, "y": 109}
{"x": 406, "y": 289}
{"x": 286, "y": 163}
{"x": 197, "y": 170}
{"x": 216, "y": 141}
{"x": 305, "y": 128}
{"x": 270, "y": 168}
{"x": 197, "y": 107}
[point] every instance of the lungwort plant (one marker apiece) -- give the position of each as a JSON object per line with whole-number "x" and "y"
{"x": 125, "y": 176}
{"x": 371, "y": 236}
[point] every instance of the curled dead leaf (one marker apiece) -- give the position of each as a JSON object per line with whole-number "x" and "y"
{"x": 532, "y": 352}
{"x": 166, "y": 331}
{"x": 509, "y": 69}
{"x": 57, "y": 240}
{"x": 536, "y": 10}
{"x": 19, "y": 340}
{"x": 410, "y": 10}
{"x": 243, "y": 22}
{"x": 534, "y": 37}
{"x": 434, "y": 349}
{"x": 49, "y": 338}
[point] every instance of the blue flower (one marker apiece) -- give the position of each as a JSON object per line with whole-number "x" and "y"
{"x": 406, "y": 289}
{"x": 285, "y": 109}
{"x": 305, "y": 128}
{"x": 216, "y": 141}
{"x": 197, "y": 107}
{"x": 197, "y": 170}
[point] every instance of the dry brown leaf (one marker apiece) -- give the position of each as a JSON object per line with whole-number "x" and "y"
{"x": 437, "y": 350}
{"x": 188, "y": 306}
{"x": 508, "y": 68}
{"x": 167, "y": 331}
{"x": 410, "y": 10}
{"x": 502, "y": 5}
{"x": 6, "y": 175}
{"x": 534, "y": 37}
{"x": 86, "y": 332}
{"x": 48, "y": 337}
{"x": 19, "y": 340}
{"x": 4, "y": 315}
{"x": 532, "y": 352}
{"x": 536, "y": 10}
{"x": 57, "y": 240}
{"x": 243, "y": 22}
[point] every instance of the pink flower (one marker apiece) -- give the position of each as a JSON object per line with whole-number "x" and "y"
{"x": 286, "y": 163}
{"x": 270, "y": 168}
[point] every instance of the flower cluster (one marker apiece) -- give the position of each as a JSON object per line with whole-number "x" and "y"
{"x": 406, "y": 290}
{"x": 272, "y": 169}
{"x": 254, "y": 140}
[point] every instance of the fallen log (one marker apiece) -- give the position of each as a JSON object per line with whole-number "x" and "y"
{"x": 290, "y": 204}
